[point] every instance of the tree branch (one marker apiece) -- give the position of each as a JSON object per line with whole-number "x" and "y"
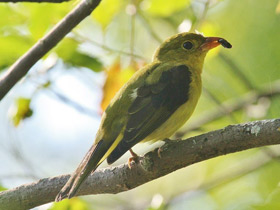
{"x": 231, "y": 173}
{"x": 34, "y": 1}
{"x": 173, "y": 156}
{"x": 108, "y": 49}
{"x": 236, "y": 70}
{"x": 25, "y": 62}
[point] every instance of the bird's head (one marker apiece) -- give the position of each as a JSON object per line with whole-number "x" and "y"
{"x": 188, "y": 48}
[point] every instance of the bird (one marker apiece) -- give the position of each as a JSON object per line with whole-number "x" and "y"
{"x": 157, "y": 100}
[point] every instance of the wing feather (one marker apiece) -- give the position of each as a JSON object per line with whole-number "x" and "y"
{"x": 154, "y": 104}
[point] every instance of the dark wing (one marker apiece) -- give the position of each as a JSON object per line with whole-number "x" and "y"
{"x": 153, "y": 105}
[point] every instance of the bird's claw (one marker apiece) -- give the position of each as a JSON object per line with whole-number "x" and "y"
{"x": 134, "y": 158}
{"x": 158, "y": 152}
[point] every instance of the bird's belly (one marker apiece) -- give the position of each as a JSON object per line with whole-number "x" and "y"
{"x": 179, "y": 117}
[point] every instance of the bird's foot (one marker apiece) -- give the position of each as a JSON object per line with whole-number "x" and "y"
{"x": 134, "y": 158}
{"x": 158, "y": 152}
{"x": 62, "y": 194}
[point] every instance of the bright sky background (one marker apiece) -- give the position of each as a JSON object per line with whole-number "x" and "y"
{"x": 55, "y": 129}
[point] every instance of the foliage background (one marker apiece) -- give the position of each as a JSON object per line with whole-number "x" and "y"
{"x": 49, "y": 119}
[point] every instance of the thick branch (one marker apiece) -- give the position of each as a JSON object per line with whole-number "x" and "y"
{"x": 25, "y": 62}
{"x": 173, "y": 156}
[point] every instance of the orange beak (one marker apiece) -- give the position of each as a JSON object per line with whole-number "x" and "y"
{"x": 212, "y": 42}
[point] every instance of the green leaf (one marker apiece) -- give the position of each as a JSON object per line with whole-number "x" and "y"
{"x": 271, "y": 203}
{"x": 164, "y": 8}
{"x": 44, "y": 17}
{"x": 268, "y": 206}
{"x": 12, "y": 47}
{"x": 72, "y": 204}
{"x": 9, "y": 16}
{"x": 2, "y": 188}
{"x": 21, "y": 110}
{"x": 80, "y": 59}
{"x": 106, "y": 11}
{"x": 68, "y": 51}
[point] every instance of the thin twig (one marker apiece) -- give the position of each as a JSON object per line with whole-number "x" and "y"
{"x": 200, "y": 20}
{"x": 248, "y": 166}
{"x": 104, "y": 47}
{"x": 132, "y": 34}
{"x": 46, "y": 86}
{"x": 14, "y": 149}
{"x": 236, "y": 70}
{"x": 220, "y": 105}
{"x": 238, "y": 103}
{"x": 73, "y": 104}
{"x": 20, "y": 68}
{"x": 148, "y": 26}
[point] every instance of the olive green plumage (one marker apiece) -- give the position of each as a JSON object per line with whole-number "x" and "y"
{"x": 151, "y": 106}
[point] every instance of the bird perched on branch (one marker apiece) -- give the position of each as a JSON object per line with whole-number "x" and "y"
{"x": 151, "y": 106}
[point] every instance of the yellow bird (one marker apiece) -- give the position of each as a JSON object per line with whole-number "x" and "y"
{"x": 151, "y": 106}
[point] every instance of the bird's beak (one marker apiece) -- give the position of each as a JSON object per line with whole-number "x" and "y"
{"x": 212, "y": 42}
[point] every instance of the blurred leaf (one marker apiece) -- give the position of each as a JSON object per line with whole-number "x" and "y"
{"x": 16, "y": 23}
{"x": 68, "y": 51}
{"x": 2, "y": 188}
{"x": 274, "y": 196}
{"x": 72, "y": 204}
{"x": 12, "y": 47}
{"x": 164, "y": 8}
{"x": 106, "y": 11}
{"x": 268, "y": 183}
{"x": 162, "y": 207}
{"x": 268, "y": 206}
{"x": 44, "y": 16}
{"x": 21, "y": 110}
{"x": 272, "y": 202}
{"x": 81, "y": 59}
{"x": 116, "y": 78}
{"x": 46, "y": 84}
{"x": 277, "y": 10}
{"x": 210, "y": 29}
{"x": 10, "y": 16}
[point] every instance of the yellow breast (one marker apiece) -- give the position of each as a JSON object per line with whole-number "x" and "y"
{"x": 181, "y": 115}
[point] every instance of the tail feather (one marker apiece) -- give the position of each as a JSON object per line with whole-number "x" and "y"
{"x": 88, "y": 164}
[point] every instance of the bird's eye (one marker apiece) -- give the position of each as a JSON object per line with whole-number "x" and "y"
{"x": 188, "y": 45}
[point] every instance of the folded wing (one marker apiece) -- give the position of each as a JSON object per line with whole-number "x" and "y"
{"x": 154, "y": 104}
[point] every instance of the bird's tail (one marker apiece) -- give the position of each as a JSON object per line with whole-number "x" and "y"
{"x": 88, "y": 165}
